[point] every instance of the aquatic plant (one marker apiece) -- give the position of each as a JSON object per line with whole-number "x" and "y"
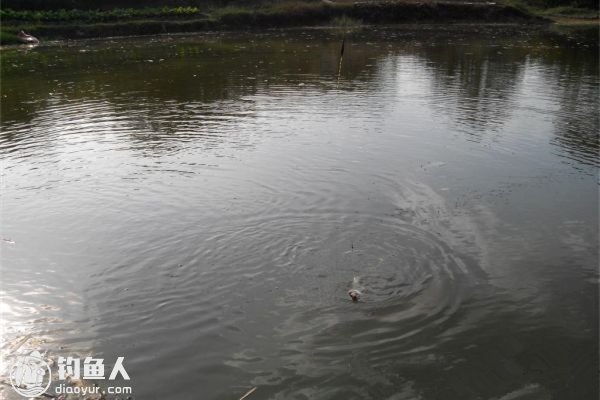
{"x": 346, "y": 24}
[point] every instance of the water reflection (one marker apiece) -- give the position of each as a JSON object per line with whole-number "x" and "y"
{"x": 203, "y": 203}
{"x": 474, "y": 81}
{"x": 577, "y": 124}
{"x": 475, "y": 84}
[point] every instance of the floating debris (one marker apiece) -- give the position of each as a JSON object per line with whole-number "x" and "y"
{"x": 354, "y": 293}
{"x": 27, "y": 39}
{"x": 248, "y": 393}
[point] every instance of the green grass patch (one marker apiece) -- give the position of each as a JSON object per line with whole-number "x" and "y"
{"x": 293, "y": 13}
{"x": 96, "y": 15}
{"x": 229, "y": 11}
{"x": 8, "y": 37}
{"x": 538, "y": 8}
{"x": 293, "y": 7}
{"x": 569, "y": 11}
{"x": 346, "y": 24}
{"x": 521, "y": 6}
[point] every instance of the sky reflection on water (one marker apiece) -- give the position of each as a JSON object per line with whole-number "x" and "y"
{"x": 200, "y": 205}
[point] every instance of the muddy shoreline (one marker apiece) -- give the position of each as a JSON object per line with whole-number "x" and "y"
{"x": 315, "y": 15}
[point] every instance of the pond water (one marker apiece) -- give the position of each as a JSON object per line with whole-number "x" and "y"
{"x": 201, "y": 204}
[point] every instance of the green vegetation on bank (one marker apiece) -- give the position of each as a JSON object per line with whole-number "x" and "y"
{"x": 573, "y": 9}
{"x": 63, "y": 15}
{"x": 8, "y": 36}
{"x": 168, "y": 16}
{"x": 553, "y": 4}
{"x": 346, "y": 23}
{"x": 570, "y": 11}
{"x": 36, "y": 5}
{"x": 111, "y": 4}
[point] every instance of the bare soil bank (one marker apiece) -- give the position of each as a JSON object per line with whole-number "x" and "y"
{"x": 310, "y": 15}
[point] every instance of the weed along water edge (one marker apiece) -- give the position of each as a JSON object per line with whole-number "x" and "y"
{"x": 68, "y": 24}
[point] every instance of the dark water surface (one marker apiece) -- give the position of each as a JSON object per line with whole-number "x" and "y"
{"x": 201, "y": 204}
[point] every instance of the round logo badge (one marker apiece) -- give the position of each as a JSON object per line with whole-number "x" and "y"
{"x": 30, "y": 375}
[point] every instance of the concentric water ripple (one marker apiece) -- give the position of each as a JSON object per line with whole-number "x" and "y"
{"x": 201, "y": 206}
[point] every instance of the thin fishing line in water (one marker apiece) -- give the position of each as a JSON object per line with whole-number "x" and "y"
{"x": 341, "y": 59}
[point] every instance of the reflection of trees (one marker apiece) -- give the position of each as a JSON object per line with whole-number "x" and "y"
{"x": 168, "y": 93}
{"x": 171, "y": 89}
{"x": 474, "y": 83}
{"x": 203, "y": 71}
{"x": 576, "y": 125}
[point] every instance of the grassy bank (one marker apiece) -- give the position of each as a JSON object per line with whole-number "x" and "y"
{"x": 73, "y": 24}
{"x": 90, "y": 16}
{"x": 569, "y": 14}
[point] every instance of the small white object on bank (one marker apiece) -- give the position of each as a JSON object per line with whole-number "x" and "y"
{"x": 27, "y": 39}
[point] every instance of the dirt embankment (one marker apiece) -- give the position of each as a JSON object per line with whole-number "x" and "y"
{"x": 294, "y": 14}
{"x": 380, "y": 13}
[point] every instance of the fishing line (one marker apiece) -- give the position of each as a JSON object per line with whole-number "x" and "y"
{"x": 341, "y": 58}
